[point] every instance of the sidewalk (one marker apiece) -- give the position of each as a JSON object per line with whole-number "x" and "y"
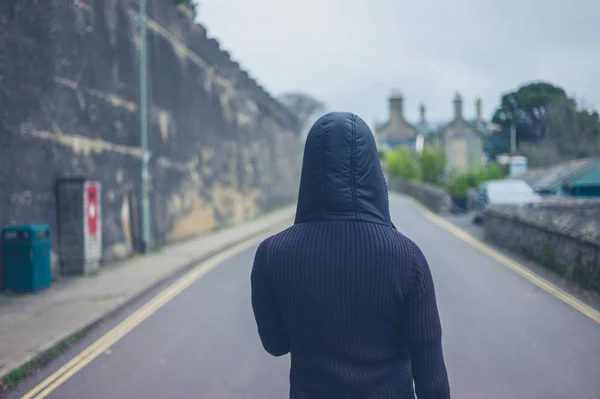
{"x": 32, "y": 324}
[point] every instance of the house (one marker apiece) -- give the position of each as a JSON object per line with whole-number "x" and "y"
{"x": 397, "y": 130}
{"x": 576, "y": 178}
{"x": 461, "y": 140}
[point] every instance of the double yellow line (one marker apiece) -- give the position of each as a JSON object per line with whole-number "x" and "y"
{"x": 111, "y": 337}
{"x": 516, "y": 267}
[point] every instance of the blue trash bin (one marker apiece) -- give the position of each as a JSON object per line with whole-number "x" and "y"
{"x": 26, "y": 258}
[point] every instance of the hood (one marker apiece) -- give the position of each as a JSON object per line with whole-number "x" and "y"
{"x": 341, "y": 173}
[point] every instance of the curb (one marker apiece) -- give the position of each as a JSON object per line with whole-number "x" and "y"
{"x": 41, "y": 357}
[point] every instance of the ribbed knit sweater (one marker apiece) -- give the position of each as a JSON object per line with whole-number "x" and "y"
{"x": 347, "y": 295}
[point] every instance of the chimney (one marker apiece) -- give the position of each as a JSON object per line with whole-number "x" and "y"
{"x": 478, "y": 110}
{"x": 396, "y": 108}
{"x": 422, "y": 112}
{"x": 458, "y": 102}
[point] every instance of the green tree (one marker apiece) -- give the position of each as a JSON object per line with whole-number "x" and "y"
{"x": 402, "y": 163}
{"x": 527, "y": 108}
{"x": 550, "y": 126}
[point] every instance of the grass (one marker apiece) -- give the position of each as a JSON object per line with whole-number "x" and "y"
{"x": 16, "y": 376}
{"x": 156, "y": 250}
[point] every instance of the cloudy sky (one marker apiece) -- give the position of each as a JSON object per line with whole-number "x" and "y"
{"x": 352, "y": 53}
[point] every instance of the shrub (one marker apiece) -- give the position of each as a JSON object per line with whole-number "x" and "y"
{"x": 432, "y": 164}
{"x": 496, "y": 171}
{"x": 459, "y": 184}
{"x": 402, "y": 163}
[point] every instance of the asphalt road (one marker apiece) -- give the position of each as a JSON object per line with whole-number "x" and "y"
{"x": 503, "y": 336}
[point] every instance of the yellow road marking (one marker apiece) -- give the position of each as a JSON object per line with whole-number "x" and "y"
{"x": 119, "y": 331}
{"x": 510, "y": 263}
{"x": 61, "y": 375}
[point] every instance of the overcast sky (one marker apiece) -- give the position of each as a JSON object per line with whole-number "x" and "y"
{"x": 352, "y": 53}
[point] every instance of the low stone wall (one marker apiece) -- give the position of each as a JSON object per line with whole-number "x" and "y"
{"x": 433, "y": 197}
{"x": 576, "y": 215}
{"x": 559, "y": 235}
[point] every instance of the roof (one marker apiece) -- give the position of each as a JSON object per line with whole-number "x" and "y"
{"x": 429, "y": 128}
{"x": 380, "y": 127}
{"x": 433, "y": 128}
{"x": 564, "y": 173}
{"x": 589, "y": 176}
{"x": 532, "y": 176}
{"x": 473, "y": 124}
{"x": 426, "y": 129}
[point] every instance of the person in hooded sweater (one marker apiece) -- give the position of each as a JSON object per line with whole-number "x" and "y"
{"x": 347, "y": 295}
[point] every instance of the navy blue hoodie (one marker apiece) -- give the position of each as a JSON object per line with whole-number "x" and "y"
{"x": 348, "y": 296}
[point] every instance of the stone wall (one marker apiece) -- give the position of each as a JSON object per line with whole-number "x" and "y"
{"x": 222, "y": 149}
{"x": 433, "y": 197}
{"x": 563, "y": 236}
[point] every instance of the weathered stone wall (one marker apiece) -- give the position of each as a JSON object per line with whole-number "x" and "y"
{"x": 434, "y": 198}
{"x": 562, "y": 236}
{"x": 578, "y": 216}
{"x": 222, "y": 149}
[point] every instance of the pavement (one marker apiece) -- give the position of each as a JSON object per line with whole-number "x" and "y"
{"x": 32, "y": 324}
{"x": 504, "y": 336}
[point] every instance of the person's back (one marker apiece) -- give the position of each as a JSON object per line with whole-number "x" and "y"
{"x": 342, "y": 290}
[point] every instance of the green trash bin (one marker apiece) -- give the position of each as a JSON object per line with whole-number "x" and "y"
{"x": 26, "y": 258}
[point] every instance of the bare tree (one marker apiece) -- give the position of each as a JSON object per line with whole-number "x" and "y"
{"x": 304, "y": 106}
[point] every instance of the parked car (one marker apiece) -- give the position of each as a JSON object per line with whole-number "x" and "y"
{"x": 502, "y": 192}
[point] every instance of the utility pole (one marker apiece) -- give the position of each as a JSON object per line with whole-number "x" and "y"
{"x": 513, "y": 138}
{"x": 513, "y": 126}
{"x": 144, "y": 128}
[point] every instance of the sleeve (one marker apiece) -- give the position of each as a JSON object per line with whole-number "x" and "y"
{"x": 266, "y": 312}
{"x": 424, "y": 333}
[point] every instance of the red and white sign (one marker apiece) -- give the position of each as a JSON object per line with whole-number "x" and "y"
{"x": 92, "y": 209}
{"x": 92, "y": 222}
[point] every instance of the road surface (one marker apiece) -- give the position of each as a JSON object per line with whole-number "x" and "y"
{"x": 503, "y": 336}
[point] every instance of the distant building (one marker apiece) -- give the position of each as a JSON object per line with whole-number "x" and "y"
{"x": 461, "y": 140}
{"x": 397, "y": 130}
